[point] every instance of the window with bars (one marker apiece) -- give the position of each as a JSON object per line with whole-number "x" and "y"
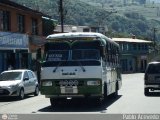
{"x": 21, "y": 23}
{"x": 34, "y": 26}
{"x": 4, "y": 20}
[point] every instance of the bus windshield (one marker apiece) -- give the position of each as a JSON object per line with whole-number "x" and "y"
{"x": 72, "y": 55}
{"x": 57, "y": 55}
{"x": 85, "y": 54}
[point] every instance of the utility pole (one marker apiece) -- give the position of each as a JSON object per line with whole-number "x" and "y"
{"x": 61, "y": 15}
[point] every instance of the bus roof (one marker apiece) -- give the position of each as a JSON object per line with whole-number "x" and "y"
{"x": 75, "y": 35}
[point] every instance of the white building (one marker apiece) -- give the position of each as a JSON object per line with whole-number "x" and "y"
{"x": 68, "y": 28}
{"x": 155, "y": 1}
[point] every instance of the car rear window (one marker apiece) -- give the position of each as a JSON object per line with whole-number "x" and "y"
{"x": 153, "y": 68}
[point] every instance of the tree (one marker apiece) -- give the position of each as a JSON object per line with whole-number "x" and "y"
{"x": 48, "y": 26}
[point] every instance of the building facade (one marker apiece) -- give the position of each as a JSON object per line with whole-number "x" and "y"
{"x": 20, "y": 35}
{"x": 69, "y": 28}
{"x": 134, "y": 54}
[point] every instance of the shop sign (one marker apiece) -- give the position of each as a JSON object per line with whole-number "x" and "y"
{"x": 13, "y": 40}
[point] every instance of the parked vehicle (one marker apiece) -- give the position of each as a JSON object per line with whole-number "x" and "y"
{"x": 152, "y": 78}
{"x": 18, "y": 83}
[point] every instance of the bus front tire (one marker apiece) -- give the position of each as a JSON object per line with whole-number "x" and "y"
{"x": 53, "y": 102}
{"x": 56, "y": 101}
{"x": 115, "y": 94}
{"x": 105, "y": 91}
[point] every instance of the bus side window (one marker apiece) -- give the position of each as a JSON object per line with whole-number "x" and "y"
{"x": 115, "y": 55}
{"x": 118, "y": 56}
{"x": 108, "y": 55}
{"x": 107, "y": 60}
{"x": 112, "y": 52}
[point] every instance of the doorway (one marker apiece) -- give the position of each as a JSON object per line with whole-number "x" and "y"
{"x": 143, "y": 65}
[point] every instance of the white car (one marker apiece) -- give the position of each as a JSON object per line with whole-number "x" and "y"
{"x": 18, "y": 83}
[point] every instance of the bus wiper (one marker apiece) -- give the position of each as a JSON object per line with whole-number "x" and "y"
{"x": 57, "y": 66}
{"x": 83, "y": 69}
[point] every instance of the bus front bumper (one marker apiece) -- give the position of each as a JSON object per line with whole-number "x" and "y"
{"x": 75, "y": 96}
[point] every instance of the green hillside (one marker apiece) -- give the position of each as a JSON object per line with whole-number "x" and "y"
{"x": 121, "y": 19}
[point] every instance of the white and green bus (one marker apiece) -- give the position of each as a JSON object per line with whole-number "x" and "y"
{"x": 80, "y": 65}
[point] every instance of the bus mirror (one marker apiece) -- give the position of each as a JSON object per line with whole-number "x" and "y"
{"x": 102, "y": 51}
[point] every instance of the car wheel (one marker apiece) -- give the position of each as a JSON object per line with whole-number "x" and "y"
{"x": 36, "y": 91}
{"x": 21, "y": 94}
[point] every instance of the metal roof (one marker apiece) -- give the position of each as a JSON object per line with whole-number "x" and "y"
{"x": 16, "y": 5}
{"x": 132, "y": 40}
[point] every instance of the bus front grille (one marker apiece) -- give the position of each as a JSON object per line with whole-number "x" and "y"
{"x": 69, "y": 83}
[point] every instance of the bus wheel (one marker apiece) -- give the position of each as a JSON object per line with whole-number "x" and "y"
{"x": 53, "y": 102}
{"x": 146, "y": 91}
{"x": 116, "y": 90}
{"x": 98, "y": 102}
{"x": 105, "y": 92}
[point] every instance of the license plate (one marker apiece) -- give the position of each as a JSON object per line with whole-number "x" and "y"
{"x": 69, "y": 89}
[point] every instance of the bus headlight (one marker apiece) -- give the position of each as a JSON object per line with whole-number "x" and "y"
{"x": 47, "y": 83}
{"x": 93, "y": 82}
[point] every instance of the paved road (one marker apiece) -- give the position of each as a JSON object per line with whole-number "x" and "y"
{"x": 131, "y": 99}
